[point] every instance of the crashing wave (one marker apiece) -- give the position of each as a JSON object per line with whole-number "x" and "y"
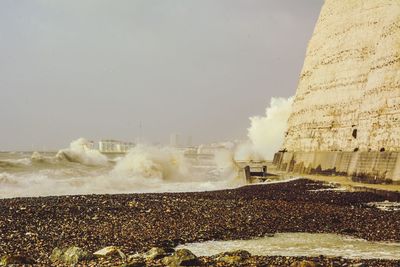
{"x": 152, "y": 162}
{"x": 7, "y": 164}
{"x": 143, "y": 169}
{"x": 7, "y": 179}
{"x": 37, "y": 157}
{"x": 14, "y": 164}
{"x": 80, "y": 152}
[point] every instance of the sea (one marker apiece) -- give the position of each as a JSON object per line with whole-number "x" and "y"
{"x": 78, "y": 170}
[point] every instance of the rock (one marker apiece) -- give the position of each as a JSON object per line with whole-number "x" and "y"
{"x": 109, "y": 252}
{"x": 17, "y": 259}
{"x": 57, "y": 254}
{"x": 156, "y": 253}
{"x": 239, "y": 253}
{"x": 133, "y": 204}
{"x": 233, "y": 257}
{"x": 303, "y": 264}
{"x": 71, "y": 255}
{"x": 181, "y": 257}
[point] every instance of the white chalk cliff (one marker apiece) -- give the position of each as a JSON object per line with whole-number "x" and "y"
{"x": 348, "y": 97}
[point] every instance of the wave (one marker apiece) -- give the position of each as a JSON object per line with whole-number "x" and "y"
{"x": 5, "y": 164}
{"x": 153, "y": 162}
{"x": 143, "y": 169}
{"x": 7, "y": 179}
{"x": 14, "y": 164}
{"x": 80, "y": 152}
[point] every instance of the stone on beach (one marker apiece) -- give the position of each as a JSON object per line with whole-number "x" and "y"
{"x": 16, "y": 259}
{"x": 109, "y": 252}
{"x": 233, "y": 257}
{"x": 71, "y": 255}
{"x": 156, "y": 253}
{"x": 182, "y": 257}
{"x": 303, "y": 264}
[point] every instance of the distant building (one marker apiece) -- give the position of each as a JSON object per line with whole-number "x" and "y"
{"x": 180, "y": 141}
{"x": 189, "y": 141}
{"x": 114, "y": 146}
{"x": 211, "y": 149}
{"x": 174, "y": 140}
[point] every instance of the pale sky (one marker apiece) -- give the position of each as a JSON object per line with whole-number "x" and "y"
{"x": 97, "y": 68}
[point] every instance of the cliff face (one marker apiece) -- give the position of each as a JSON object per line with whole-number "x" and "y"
{"x": 348, "y": 97}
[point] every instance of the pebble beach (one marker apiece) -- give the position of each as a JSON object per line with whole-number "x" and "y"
{"x": 135, "y": 223}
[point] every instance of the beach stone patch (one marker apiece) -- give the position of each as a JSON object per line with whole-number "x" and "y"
{"x": 109, "y": 252}
{"x": 233, "y": 257}
{"x": 303, "y": 263}
{"x": 135, "y": 262}
{"x": 247, "y": 212}
{"x": 71, "y": 255}
{"x": 181, "y": 257}
{"x": 156, "y": 253}
{"x": 16, "y": 259}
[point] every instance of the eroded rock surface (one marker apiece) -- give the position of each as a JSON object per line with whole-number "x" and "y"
{"x": 348, "y": 95}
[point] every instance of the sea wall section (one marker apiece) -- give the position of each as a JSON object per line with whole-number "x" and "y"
{"x": 371, "y": 167}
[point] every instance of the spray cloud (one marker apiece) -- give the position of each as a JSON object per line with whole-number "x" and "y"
{"x": 266, "y": 133}
{"x": 80, "y": 151}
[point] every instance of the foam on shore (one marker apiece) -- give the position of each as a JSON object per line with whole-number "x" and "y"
{"x": 302, "y": 244}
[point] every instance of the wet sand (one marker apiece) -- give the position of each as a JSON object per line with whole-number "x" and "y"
{"x": 137, "y": 222}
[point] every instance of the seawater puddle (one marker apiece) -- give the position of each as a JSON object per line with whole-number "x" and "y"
{"x": 386, "y": 205}
{"x": 302, "y": 244}
{"x": 337, "y": 189}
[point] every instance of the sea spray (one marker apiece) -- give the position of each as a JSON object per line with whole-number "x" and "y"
{"x": 37, "y": 157}
{"x": 226, "y": 164}
{"x": 245, "y": 151}
{"x": 153, "y": 162}
{"x": 77, "y": 170}
{"x": 6, "y": 179}
{"x": 80, "y": 152}
{"x": 266, "y": 133}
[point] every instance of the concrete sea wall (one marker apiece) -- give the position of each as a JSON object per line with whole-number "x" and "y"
{"x": 371, "y": 167}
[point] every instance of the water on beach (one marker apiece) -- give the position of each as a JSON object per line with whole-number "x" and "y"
{"x": 386, "y": 205}
{"x": 302, "y": 244}
{"x": 83, "y": 171}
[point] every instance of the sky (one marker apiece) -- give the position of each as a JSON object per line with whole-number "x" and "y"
{"x": 129, "y": 69}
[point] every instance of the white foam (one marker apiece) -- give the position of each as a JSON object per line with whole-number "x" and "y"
{"x": 266, "y": 133}
{"x": 80, "y": 151}
{"x": 386, "y": 205}
{"x": 302, "y": 244}
{"x": 144, "y": 169}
